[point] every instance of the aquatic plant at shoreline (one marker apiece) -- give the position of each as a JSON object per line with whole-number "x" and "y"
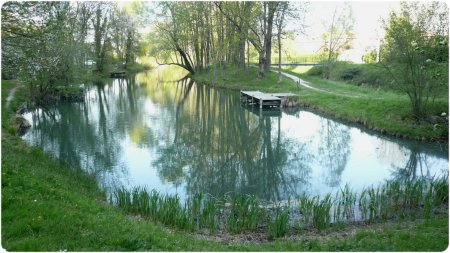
{"x": 237, "y": 213}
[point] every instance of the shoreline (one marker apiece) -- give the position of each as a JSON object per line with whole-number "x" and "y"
{"x": 359, "y": 122}
{"x": 49, "y": 179}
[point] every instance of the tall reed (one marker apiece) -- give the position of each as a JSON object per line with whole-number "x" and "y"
{"x": 279, "y": 225}
{"x": 238, "y": 212}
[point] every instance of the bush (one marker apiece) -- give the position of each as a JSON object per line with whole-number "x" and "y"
{"x": 350, "y": 74}
{"x": 316, "y": 71}
{"x": 371, "y": 74}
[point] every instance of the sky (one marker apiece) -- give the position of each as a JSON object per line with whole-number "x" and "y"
{"x": 368, "y": 29}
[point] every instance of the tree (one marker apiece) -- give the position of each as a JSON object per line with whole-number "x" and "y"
{"x": 415, "y": 52}
{"x": 40, "y": 44}
{"x": 101, "y": 35}
{"x": 287, "y": 11}
{"x": 370, "y": 56}
{"x": 339, "y": 37}
{"x": 280, "y": 25}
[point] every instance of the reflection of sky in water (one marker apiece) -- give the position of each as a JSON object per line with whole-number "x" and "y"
{"x": 371, "y": 160}
{"x": 178, "y": 137}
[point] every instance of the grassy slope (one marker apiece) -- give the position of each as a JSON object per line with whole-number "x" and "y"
{"x": 380, "y": 110}
{"x": 47, "y": 206}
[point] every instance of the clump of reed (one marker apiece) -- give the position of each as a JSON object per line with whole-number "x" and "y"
{"x": 279, "y": 225}
{"x": 243, "y": 213}
{"x": 237, "y": 213}
{"x": 344, "y": 205}
{"x": 315, "y": 211}
{"x": 402, "y": 197}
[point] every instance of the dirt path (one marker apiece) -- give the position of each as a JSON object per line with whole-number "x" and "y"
{"x": 306, "y": 84}
{"x": 11, "y": 96}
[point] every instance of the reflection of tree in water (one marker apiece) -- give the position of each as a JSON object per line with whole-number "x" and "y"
{"x": 334, "y": 150}
{"x": 412, "y": 160}
{"x": 218, "y": 147}
{"x": 87, "y": 135}
{"x": 416, "y": 166}
{"x": 390, "y": 152}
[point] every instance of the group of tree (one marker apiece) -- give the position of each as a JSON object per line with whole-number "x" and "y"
{"x": 199, "y": 35}
{"x": 50, "y": 44}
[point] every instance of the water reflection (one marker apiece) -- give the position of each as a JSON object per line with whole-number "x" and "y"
{"x": 218, "y": 147}
{"x": 334, "y": 150}
{"x": 180, "y": 137}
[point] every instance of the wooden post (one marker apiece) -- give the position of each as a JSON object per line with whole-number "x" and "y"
{"x": 261, "y": 103}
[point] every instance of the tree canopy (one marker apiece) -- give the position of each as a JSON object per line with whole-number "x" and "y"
{"x": 415, "y": 52}
{"x": 50, "y": 44}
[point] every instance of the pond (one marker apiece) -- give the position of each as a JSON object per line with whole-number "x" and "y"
{"x": 167, "y": 133}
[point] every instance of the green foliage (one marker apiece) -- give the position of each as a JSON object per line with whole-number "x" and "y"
{"x": 316, "y": 71}
{"x": 350, "y": 73}
{"x": 370, "y": 56}
{"x": 46, "y": 44}
{"x": 368, "y": 74}
{"x": 416, "y": 52}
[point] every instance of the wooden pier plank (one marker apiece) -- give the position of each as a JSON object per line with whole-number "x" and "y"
{"x": 260, "y": 95}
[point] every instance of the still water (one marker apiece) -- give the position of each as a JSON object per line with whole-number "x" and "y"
{"x": 181, "y": 137}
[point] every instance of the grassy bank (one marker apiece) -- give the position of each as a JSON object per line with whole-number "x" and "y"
{"x": 376, "y": 109}
{"x": 374, "y": 75}
{"x": 48, "y": 206}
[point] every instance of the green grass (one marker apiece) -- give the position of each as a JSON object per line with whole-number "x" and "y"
{"x": 374, "y": 75}
{"x": 381, "y": 110}
{"x": 48, "y": 206}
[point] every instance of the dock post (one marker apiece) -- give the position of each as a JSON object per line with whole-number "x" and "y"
{"x": 261, "y": 103}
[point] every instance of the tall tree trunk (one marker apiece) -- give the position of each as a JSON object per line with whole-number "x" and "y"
{"x": 272, "y": 7}
{"x": 280, "y": 76}
{"x": 129, "y": 49}
{"x": 248, "y": 54}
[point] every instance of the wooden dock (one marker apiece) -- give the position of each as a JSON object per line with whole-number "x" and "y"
{"x": 263, "y": 99}
{"x": 117, "y": 74}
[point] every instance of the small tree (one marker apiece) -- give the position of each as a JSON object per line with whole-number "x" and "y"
{"x": 370, "y": 56}
{"x": 339, "y": 36}
{"x": 416, "y": 52}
